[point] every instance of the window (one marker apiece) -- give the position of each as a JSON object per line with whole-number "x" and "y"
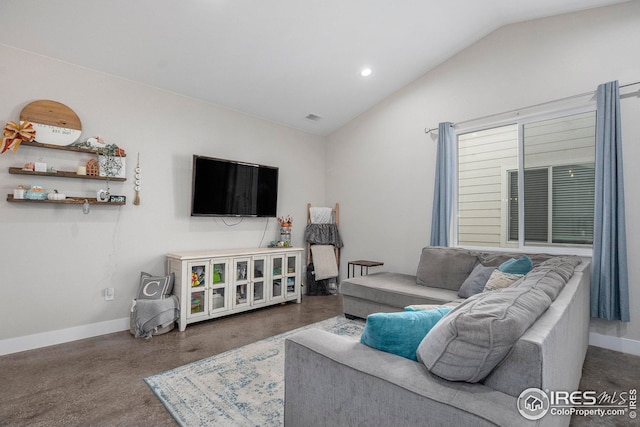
{"x": 566, "y": 216}
{"x": 557, "y": 194}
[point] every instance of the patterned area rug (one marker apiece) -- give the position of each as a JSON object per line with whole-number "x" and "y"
{"x": 241, "y": 387}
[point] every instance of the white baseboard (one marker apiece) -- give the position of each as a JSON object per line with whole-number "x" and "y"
{"x": 45, "y": 339}
{"x": 623, "y": 345}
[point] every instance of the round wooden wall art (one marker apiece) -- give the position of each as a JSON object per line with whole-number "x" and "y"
{"x": 54, "y": 123}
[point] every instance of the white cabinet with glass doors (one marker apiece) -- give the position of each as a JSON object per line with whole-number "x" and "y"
{"x": 217, "y": 283}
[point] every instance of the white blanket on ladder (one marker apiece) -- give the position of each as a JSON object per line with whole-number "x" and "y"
{"x": 321, "y": 215}
{"x": 324, "y": 261}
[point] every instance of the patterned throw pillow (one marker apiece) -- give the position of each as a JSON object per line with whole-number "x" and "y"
{"x": 499, "y": 280}
{"x": 155, "y": 287}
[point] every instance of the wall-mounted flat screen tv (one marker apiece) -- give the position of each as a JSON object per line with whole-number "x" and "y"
{"x": 231, "y": 188}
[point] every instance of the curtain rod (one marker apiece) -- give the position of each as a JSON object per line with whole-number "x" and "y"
{"x": 580, "y": 95}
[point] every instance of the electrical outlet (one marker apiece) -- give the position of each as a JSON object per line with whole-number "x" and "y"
{"x": 109, "y": 294}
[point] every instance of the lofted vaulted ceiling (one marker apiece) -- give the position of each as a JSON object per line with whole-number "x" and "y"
{"x": 281, "y": 60}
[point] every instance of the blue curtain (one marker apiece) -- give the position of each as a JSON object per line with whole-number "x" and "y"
{"x": 609, "y": 276}
{"x": 443, "y": 189}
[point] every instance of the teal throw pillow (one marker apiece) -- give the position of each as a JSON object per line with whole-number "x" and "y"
{"x": 400, "y": 333}
{"x": 522, "y": 265}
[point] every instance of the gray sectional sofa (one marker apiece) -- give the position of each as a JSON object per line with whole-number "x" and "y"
{"x": 468, "y": 371}
{"x": 440, "y": 273}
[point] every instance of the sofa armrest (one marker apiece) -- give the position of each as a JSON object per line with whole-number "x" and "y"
{"x": 332, "y": 380}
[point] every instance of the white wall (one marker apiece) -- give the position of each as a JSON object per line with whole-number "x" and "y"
{"x": 381, "y": 166}
{"x": 55, "y": 261}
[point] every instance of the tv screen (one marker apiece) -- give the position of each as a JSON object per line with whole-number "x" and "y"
{"x": 230, "y": 188}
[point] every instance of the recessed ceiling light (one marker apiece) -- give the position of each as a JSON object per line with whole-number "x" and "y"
{"x": 365, "y": 72}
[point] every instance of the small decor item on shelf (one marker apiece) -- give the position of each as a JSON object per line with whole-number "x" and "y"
{"x": 285, "y": 221}
{"x": 117, "y": 199}
{"x": 92, "y": 167}
{"x": 36, "y": 192}
{"x": 15, "y": 133}
{"x": 285, "y": 230}
{"x": 93, "y": 143}
{"x": 102, "y": 195}
{"x": 28, "y": 167}
{"x": 285, "y": 236}
{"x": 112, "y": 162}
{"x": 18, "y": 193}
{"x": 56, "y": 196}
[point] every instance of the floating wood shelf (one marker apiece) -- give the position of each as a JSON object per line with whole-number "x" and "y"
{"x": 63, "y": 174}
{"x": 63, "y": 147}
{"x": 71, "y": 200}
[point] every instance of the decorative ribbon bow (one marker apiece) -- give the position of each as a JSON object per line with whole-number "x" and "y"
{"x": 15, "y": 133}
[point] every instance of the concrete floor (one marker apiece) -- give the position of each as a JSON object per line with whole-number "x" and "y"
{"x": 99, "y": 381}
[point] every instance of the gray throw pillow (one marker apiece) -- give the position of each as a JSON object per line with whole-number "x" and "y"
{"x": 468, "y": 343}
{"x": 446, "y": 268}
{"x": 155, "y": 287}
{"x": 474, "y": 284}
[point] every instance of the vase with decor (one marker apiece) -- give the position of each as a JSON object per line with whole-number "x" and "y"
{"x": 285, "y": 230}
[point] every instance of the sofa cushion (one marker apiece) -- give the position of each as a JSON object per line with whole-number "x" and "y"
{"x": 551, "y": 276}
{"x": 400, "y": 333}
{"x": 474, "y": 284}
{"x": 394, "y": 290}
{"x": 499, "y": 280}
{"x": 475, "y": 336}
{"x": 446, "y": 268}
{"x": 522, "y": 265}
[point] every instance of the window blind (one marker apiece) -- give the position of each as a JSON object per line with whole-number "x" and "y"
{"x": 573, "y": 203}
{"x": 536, "y": 205}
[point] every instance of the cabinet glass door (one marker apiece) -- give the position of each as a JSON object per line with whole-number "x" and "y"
{"x": 219, "y": 272}
{"x": 198, "y": 306}
{"x": 199, "y": 272}
{"x": 291, "y": 264}
{"x": 242, "y": 279}
{"x": 291, "y": 276}
{"x": 276, "y": 289}
{"x": 258, "y": 286}
{"x": 198, "y": 297}
{"x": 219, "y": 276}
{"x": 218, "y": 300}
{"x": 277, "y": 270}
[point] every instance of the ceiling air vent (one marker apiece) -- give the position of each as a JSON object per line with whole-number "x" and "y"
{"x": 313, "y": 117}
